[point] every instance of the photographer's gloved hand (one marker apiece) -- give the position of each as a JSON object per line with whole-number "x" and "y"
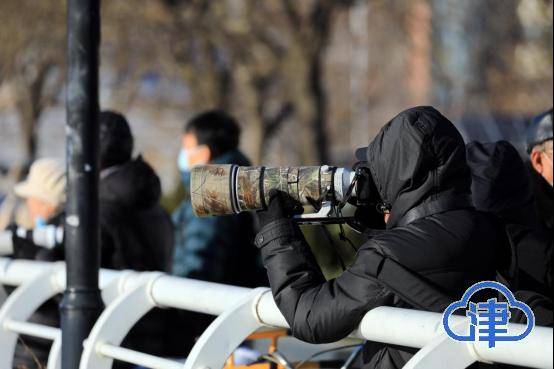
{"x": 281, "y": 205}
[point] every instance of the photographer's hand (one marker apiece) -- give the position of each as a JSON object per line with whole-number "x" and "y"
{"x": 281, "y": 205}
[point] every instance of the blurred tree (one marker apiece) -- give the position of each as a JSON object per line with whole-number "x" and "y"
{"x": 267, "y": 54}
{"x": 308, "y": 80}
{"x": 263, "y": 60}
{"x": 136, "y": 44}
{"x": 479, "y": 47}
{"x": 31, "y": 61}
{"x": 135, "y": 40}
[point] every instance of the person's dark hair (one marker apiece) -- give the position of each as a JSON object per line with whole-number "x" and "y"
{"x": 116, "y": 139}
{"x": 216, "y": 129}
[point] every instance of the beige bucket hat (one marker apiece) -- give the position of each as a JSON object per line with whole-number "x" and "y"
{"x": 46, "y": 181}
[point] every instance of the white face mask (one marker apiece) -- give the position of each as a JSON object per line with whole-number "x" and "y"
{"x": 183, "y": 160}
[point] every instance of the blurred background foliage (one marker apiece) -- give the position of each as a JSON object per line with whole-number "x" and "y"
{"x": 307, "y": 80}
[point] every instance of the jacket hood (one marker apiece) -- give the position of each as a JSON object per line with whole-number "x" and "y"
{"x": 418, "y": 164}
{"x": 500, "y": 182}
{"x": 131, "y": 185}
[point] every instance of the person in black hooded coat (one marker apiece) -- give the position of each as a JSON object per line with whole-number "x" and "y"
{"x": 502, "y": 186}
{"x": 135, "y": 231}
{"x": 419, "y": 167}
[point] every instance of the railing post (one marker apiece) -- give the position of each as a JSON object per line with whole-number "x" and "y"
{"x": 81, "y": 304}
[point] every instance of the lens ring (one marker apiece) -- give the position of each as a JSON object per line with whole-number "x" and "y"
{"x": 233, "y": 183}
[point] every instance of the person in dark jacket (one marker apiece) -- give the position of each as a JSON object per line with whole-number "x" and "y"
{"x": 135, "y": 231}
{"x": 539, "y": 147}
{"x": 502, "y": 185}
{"x": 418, "y": 165}
{"x": 215, "y": 249}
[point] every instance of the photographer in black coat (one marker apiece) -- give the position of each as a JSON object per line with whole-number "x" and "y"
{"x": 418, "y": 165}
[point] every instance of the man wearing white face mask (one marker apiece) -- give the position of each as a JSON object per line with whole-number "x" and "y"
{"x": 215, "y": 249}
{"x": 539, "y": 147}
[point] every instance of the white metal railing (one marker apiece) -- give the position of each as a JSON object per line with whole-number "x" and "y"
{"x": 241, "y": 311}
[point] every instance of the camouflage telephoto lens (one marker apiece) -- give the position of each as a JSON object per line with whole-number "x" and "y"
{"x": 211, "y": 190}
{"x": 230, "y": 189}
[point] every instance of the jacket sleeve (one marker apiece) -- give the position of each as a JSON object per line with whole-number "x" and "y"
{"x": 317, "y": 310}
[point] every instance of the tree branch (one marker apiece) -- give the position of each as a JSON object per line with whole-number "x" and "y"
{"x": 273, "y": 125}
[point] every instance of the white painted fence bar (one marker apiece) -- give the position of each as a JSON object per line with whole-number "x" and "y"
{"x": 137, "y": 358}
{"x": 268, "y": 313}
{"x": 32, "y": 329}
{"x": 241, "y": 311}
{"x": 197, "y": 296}
{"x": 536, "y": 352}
{"x": 390, "y": 325}
{"x": 18, "y": 272}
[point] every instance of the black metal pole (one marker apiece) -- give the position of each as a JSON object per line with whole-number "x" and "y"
{"x": 81, "y": 302}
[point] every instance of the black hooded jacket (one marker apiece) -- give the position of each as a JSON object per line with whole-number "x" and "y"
{"x": 502, "y": 186}
{"x": 501, "y": 183}
{"x": 419, "y": 166}
{"x": 136, "y": 232}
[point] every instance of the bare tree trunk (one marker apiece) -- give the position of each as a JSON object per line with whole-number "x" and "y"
{"x": 320, "y": 113}
{"x": 28, "y": 121}
{"x": 419, "y": 67}
{"x": 321, "y": 21}
{"x": 29, "y": 107}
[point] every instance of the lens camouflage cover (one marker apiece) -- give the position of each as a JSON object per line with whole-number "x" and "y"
{"x": 248, "y": 188}
{"x": 229, "y": 189}
{"x": 210, "y": 190}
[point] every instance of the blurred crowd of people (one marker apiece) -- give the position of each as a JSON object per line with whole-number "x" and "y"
{"x": 137, "y": 233}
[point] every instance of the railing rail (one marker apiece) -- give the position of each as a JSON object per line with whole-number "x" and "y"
{"x": 241, "y": 311}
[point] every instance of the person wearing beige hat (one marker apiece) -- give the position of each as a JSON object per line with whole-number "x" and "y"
{"x": 44, "y": 189}
{"x": 44, "y": 192}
